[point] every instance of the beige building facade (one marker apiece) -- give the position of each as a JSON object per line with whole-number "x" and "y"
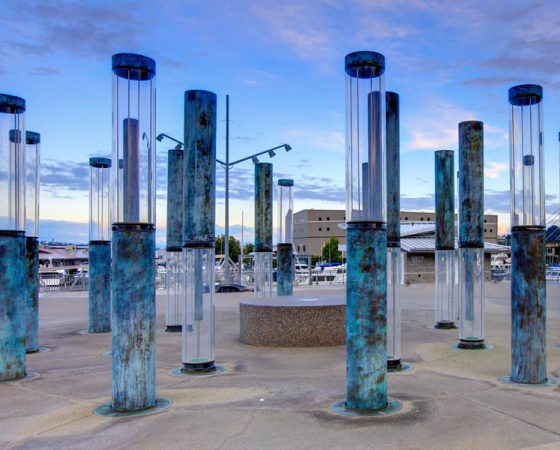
{"x": 490, "y": 222}
{"x": 314, "y": 227}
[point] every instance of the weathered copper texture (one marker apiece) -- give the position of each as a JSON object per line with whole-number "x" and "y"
{"x": 12, "y": 305}
{"x": 99, "y": 317}
{"x": 133, "y": 317}
{"x": 366, "y": 316}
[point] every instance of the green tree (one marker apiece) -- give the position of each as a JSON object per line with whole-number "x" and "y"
{"x": 249, "y": 247}
{"x": 234, "y": 247}
{"x": 331, "y": 252}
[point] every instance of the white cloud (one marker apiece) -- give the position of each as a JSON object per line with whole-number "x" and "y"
{"x": 493, "y": 169}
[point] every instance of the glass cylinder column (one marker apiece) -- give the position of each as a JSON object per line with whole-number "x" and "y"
{"x": 133, "y": 234}
{"x": 528, "y": 229}
{"x": 366, "y": 234}
{"x": 285, "y": 267}
{"x": 445, "y": 239}
{"x": 471, "y": 235}
{"x": 174, "y": 258}
{"x": 394, "y": 263}
{"x": 12, "y": 238}
{"x": 99, "y": 314}
{"x": 199, "y": 206}
{"x": 32, "y": 164}
{"x": 263, "y": 230}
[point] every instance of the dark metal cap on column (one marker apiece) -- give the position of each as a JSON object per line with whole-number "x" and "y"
{"x": 364, "y": 64}
{"x": 393, "y": 169}
{"x": 471, "y": 184}
{"x": 263, "y": 207}
{"x": 525, "y": 94}
{"x": 445, "y": 199}
{"x": 10, "y": 104}
{"x": 32, "y": 138}
{"x": 133, "y": 67}
{"x": 199, "y": 175}
{"x": 174, "y": 199}
{"x": 98, "y": 162}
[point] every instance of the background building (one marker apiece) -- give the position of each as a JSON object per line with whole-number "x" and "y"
{"x": 314, "y": 227}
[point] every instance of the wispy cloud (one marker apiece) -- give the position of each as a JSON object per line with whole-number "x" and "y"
{"x": 493, "y": 169}
{"x": 44, "y": 71}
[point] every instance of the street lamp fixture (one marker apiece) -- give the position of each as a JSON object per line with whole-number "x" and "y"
{"x": 255, "y": 160}
{"x": 160, "y": 137}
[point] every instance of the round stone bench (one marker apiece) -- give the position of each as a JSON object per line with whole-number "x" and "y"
{"x": 293, "y": 321}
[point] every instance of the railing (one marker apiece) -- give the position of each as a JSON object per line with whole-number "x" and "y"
{"x": 63, "y": 282}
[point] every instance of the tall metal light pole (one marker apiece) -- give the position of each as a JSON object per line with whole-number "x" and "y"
{"x": 227, "y": 279}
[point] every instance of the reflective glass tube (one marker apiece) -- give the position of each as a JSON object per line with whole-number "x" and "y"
{"x": 174, "y": 290}
{"x": 133, "y": 175}
{"x": 12, "y": 162}
{"x": 198, "y": 327}
{"x": 446, "y": 310}
{"x": 263, "y": 274}
{"x": 285, "y": 214}
{"x": 471, "y": 297}
{"x": 99, "y": 216}
{"x": 365, "y": 137}
{"x": 527, "y": 156}
{"x": 394, "y": 273}
{"x": 32, "y": 173}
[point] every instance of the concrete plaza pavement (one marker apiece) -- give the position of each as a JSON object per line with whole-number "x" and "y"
{"x": 280, "y": 398}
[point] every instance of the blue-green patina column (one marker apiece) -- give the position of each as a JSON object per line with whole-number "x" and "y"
{"x": 366, "y": 316}
{"x": 263, "y": 230}
{"x": 199, "y": 200}
{"x": 528, "y": 221}
{"x": 12, "y": 306}
{"x": 133, "y": 317}
{"x": 394, "y": 267}
{"x": 12, "y": 239}
{"x": 99, "y": 311}
{"x": 133, "y": 237}
{"x": 471, "y": 235}
{"x": 31, "y": 294}
{"x": 366, "y": 233}
{"x": 446, "y": 311}
{"x": 285, "y": 266}
{"x": 174, "y": 261}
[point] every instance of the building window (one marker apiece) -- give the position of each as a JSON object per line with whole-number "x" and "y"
{"x": 490, "y": 230}
{"x": 428, "y": 219}
{"x": 320, "y": 218}
{"x": 328, "y": 218}
{"x": 485, "y": 220}
{"x": 485, "y": 230}
{"x": 320, "y": 229}
{"x": 304, "y": 248}
{"x": 328, "y": 229}
{"x": 406, "y": 218}
{"x": 422, "y": 219}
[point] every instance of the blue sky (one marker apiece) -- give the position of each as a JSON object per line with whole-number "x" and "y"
{"x": 282, "y": 65}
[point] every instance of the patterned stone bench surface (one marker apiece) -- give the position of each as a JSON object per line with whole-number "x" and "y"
{"x": 293, "y": 321}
